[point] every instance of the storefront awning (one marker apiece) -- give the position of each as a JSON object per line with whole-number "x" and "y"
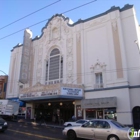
{"x": 106, "y": 102}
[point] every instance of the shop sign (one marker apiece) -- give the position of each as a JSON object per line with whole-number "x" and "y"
{"x": 99, "y": 102}
{"x": 39, "y": 94}
{"x": 71, "y": 91}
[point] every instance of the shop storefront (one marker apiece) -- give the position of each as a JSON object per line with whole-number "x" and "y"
{"x": 100, "y": 108}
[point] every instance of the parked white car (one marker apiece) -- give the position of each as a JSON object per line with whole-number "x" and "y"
{"x": 76, "y": 123}
{"x": 103, "y": 129}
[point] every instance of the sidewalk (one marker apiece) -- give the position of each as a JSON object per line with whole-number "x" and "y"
{"x": 47, "y": 124}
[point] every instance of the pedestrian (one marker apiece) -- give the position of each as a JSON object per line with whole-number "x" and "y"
{"x": 41, "y": 118}
{"x": 53, "y": 118}
{"x": 35, "y": 118}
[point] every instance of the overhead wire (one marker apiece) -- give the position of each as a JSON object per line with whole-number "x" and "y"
{"x": 74, "y": 75}
{"x": 48, "y": 19}
{"x": 82, "y": 74}
{"x": 29, "y": 14}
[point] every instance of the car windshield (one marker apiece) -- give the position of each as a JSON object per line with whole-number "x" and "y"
{"x": 119, "y": 125}
{"x": 81, "y": 121}
{"x": 87, "y": 124}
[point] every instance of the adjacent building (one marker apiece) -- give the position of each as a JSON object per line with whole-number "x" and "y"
{"x": 3, "y": 86}
{"x": 90, "y": 68}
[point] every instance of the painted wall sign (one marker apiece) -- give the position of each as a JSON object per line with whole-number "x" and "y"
{"x": 39, "y": 94}
{"x": 99, "y": 102}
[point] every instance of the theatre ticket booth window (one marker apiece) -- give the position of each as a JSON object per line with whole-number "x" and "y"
{"x": 101, "y": 108}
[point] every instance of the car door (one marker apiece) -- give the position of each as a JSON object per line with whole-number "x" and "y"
{"x": 86, "y": 131}
{"x": 102, "y": 129}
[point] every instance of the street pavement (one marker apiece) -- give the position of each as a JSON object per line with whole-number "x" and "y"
{"x": 47, "y": 124}
{"x": 29, "y": 131}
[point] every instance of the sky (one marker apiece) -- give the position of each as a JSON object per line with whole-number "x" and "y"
{"x": 13, "y": 10}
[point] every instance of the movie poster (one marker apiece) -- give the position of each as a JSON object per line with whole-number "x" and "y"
{"x": 79, "y": 112}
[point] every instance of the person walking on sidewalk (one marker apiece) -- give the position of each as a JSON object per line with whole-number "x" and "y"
{"x": 41, "y": 119}
{"x": 35, "y": 118}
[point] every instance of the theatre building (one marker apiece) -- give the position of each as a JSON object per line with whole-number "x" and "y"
{"x": 89, "y": 68}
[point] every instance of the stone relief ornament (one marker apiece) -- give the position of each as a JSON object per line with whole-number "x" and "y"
{"x": 98, "y": 66}
{"x": 55, "y": 33}
{"x": 39, "y": 64}
{"x": 69, "y": 50}
{"x": 65, "y": 29}
{"x": 70, "y": 65}
{"x": 69, "y": 59}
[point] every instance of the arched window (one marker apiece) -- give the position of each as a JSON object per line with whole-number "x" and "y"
{"x": 54, "y": 67}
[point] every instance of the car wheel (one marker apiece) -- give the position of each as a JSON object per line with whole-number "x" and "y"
{"x": 71, "y": 135}
{"x": 69, "y": 125}
{"x": 113, "y": 137}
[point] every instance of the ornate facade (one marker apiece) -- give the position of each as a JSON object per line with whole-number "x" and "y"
{"x": 93, "y": 64}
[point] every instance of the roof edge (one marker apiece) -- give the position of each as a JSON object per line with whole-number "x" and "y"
{"x": 18, "y": 45}
{"x": 113, "y": 8}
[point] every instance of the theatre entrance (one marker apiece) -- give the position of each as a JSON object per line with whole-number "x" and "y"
{"x": 55, "y": 111}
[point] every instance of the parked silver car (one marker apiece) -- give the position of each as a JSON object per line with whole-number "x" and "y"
{"x": 3, "y": 125}
{"x": 103, "y": 129}
{"x": 76, "y": 123}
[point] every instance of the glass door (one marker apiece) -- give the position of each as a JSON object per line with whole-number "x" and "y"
{"x": 99, "y": 114}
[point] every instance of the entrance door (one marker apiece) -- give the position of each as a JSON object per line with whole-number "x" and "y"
{"x": 136, "y": 117}
{"x": 28, "y": 113}
{"x": 99, "y": 114}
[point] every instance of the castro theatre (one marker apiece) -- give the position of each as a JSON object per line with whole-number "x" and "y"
{"x": 87, "y": 68}
{"x": 57, "y": 99}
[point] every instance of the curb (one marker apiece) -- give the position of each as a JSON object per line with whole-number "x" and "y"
{"x": 46, "y": 125}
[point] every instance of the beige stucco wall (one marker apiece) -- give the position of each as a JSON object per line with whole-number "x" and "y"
{"x": 131, "y": 49}
{"x": 104, "y": 44}
{"x": 14, "y": 71}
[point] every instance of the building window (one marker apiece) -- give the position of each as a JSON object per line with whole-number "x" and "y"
{"x": 47, "y": 71}
{"x": 54, "y": 67}
{"x": 99, "y": 80}
{"x": 61, "y": 67}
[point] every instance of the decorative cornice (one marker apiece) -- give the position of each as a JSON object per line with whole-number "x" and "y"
{"x": 18, "y": 45}
{"x": 126, "y": 7}
{"x": 113, "y": 8}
